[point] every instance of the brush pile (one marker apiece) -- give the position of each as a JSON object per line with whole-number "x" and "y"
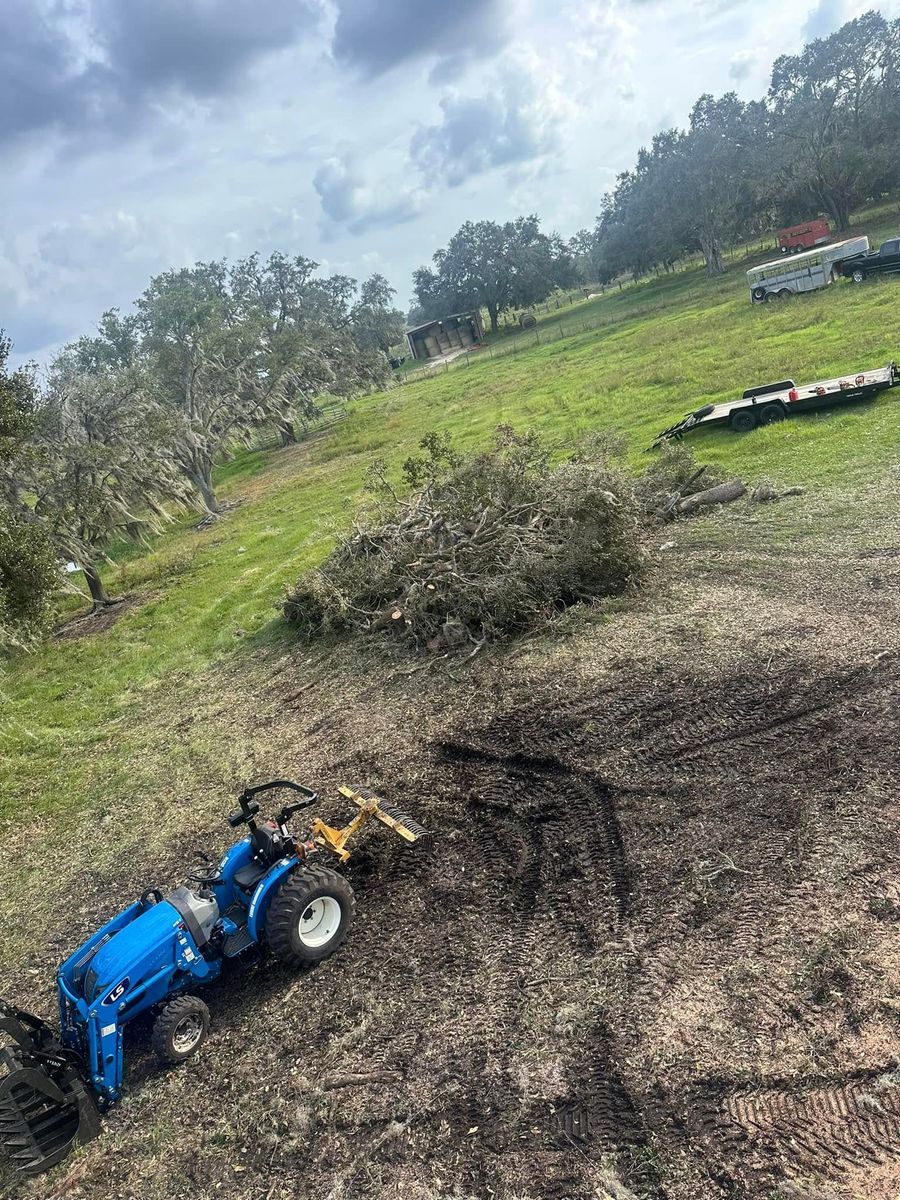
{"x": 481, "y": 546}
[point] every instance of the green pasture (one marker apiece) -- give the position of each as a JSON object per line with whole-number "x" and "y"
{"x": 91, "y": 718}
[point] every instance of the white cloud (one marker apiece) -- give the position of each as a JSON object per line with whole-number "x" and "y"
{"x": 520, "y": 118}
{"x": 348, "y": 202}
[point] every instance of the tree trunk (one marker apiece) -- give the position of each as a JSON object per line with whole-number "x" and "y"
{"x": 723, "y": 493}
{"x": 201, "y": 477}
{"x": 712, "y": 253}
{"x": 95, "y": 584}
{"x": 493, "y": 314}
{"x": 286, "y": 432}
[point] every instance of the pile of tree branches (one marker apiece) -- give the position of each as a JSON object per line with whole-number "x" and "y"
{"x": 482, "y": 546}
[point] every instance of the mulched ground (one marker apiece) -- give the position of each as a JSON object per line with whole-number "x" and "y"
{"x": 653, "y": 952}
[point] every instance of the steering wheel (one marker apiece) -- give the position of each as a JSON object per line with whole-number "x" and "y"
{"x": 205, "y": 880}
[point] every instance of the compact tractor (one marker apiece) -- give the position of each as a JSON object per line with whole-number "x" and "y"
{"x": 269, "y": 892}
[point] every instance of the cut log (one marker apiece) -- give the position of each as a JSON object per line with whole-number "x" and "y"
{"x": 723, "y": 493}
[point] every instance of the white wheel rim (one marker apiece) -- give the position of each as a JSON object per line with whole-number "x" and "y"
{"x": 319, "y": 922}
{"x": 187, "y": 1033}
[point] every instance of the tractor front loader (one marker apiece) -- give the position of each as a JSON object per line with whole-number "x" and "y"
{"x": 271, "y": 891}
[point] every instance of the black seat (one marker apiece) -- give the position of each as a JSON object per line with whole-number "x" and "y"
{"x": 268, "y": 848}
{"x": 246, "y": 878}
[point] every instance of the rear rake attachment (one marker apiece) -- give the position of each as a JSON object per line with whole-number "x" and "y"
{"x": 369, "y": 805}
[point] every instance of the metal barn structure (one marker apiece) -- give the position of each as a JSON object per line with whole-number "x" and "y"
{"x": 456, "y": 332}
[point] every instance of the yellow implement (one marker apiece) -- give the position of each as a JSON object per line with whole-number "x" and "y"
{"x": 369, "y": 806}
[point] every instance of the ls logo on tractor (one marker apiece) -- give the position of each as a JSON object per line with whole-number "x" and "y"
{"x": 117, "y": 993}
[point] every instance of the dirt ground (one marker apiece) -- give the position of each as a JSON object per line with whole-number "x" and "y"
{"x": 653, "y": 952}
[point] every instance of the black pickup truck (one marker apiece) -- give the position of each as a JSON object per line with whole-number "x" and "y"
{"x": 883, "y": 261}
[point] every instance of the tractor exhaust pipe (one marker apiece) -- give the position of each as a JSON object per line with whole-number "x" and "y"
{"x": 45, "y": 1107}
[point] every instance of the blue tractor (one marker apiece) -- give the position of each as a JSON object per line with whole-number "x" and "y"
{"x": 270, "y": 891}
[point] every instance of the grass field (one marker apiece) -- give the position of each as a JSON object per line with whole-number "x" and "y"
{"x": 663, "y": 891}
{"x": 85, "y": 716}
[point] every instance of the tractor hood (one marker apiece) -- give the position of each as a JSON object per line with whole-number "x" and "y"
{"x": 132, "y": 955}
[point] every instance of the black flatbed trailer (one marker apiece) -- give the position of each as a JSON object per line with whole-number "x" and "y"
{"x": 773, "y": 402}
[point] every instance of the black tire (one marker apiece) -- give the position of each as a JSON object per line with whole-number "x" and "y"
{"x": 759, "y": 293}
{"x": 743, "y": 420}
{"x": 785, "y": 294}
{"x": 704, "y": 411}
{"x": 771, "y": 297}
{"x": 310, "y": 916}
{"x": 858, "y": 275}
{"x": 180, "y": 1029}
{"x": 772, "y": 413}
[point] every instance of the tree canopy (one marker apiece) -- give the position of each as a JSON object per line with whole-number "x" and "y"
{"x": 497, "y": 267}
{"x": 824, "y": 139}
{"x": 28, "y": 567}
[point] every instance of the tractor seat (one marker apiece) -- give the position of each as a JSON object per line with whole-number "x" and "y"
{"x": 268, "y": 848}
{"x": 246, "y": 878}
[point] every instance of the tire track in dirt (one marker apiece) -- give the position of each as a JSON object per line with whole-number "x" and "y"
{"x": 754, "y": 736}
{"x": 815, "y": 1127}
{"x": 608, "y": 950}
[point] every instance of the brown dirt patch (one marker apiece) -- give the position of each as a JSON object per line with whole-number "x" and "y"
{"x": 91, "y": 623}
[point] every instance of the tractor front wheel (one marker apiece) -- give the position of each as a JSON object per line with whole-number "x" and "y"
{"x": 310, "y": 916}
{"x": 180, "y": 1029}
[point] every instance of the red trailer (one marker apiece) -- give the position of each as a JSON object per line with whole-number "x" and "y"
{"x": 804, "y": 237}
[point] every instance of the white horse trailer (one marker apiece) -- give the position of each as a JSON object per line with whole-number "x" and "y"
{"x": 801, "y": 272}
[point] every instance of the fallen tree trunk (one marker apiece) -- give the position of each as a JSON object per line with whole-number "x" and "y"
{"x": 723, "y": 493}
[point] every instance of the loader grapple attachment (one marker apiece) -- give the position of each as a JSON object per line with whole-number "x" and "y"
{"x": 45, "y": 1107}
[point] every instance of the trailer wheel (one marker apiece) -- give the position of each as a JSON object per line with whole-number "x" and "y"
{"x": 771, "y": 297}
{"x": 858, "y": 276}
{"x": 772, "y": 413}
{"x": 759, "y": 293}
{"x": 743, "y": 420}
{"x": 785, "y": 294}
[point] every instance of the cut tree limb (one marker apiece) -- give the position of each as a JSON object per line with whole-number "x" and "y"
{"x": 723, "y": 493}
{"x": 672, "y": 502}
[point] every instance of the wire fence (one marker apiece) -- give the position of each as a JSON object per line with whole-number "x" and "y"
{"x": 538, "y": 336}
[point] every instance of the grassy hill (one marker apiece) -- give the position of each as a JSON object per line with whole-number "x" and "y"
{"x": 663, "y": 895}
{"x": 84, "y": 714}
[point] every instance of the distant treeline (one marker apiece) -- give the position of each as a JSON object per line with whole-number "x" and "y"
{"x": 127, "y": 425}
{"x": 826, "y": 138}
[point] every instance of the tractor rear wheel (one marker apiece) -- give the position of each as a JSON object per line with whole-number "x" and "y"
{"x": 180, "y": 1029}
{"x": 310, "y": 916}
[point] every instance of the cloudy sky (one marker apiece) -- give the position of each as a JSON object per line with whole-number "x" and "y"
{"x": 142, "y": 134}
